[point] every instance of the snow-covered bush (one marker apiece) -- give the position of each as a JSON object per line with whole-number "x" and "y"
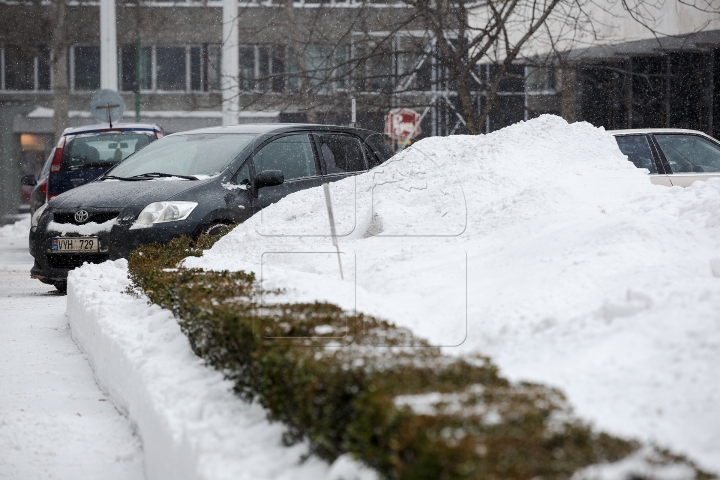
{"x": 352, "y": 383}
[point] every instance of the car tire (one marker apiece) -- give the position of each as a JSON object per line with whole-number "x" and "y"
{"x": 61, "y": 287}
{"x": 213, "y": 229}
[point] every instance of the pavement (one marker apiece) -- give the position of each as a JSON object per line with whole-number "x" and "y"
{"x": 55, "y": 422}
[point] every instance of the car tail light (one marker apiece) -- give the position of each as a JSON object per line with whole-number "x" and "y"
{"x": 43, "y": 188}
{"x": 158, "y": 135}
{"x": 57, "y": 158}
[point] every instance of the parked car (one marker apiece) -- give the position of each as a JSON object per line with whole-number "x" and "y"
{"x": 673, "y": 156}
{"x": 189, "y": 183}
{"x": 84, "y": 153}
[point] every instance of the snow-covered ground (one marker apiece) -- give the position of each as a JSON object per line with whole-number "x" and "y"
{"x": 55, "y": 423}
{"x": 539, "y": 245}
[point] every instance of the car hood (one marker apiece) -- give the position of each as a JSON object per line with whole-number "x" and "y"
{"x": 121, "y": 194}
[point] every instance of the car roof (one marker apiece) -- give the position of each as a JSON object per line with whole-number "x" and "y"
{"x": 127, "y": 127}
{"x": 631, "y": 131}
{"x": 267, "y": 128}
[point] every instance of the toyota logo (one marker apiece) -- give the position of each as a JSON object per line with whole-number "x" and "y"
{"x": 81, "y": 216}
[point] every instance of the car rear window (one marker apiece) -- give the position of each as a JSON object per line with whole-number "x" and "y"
{"x": 380, "y": 149}
{"x": 102, "y": 150}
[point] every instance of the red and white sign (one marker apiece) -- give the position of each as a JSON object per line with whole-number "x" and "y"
{"x": 402, "y": 124}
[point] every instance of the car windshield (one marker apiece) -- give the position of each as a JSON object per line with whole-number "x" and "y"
{"x": 102, "y": 150}
{"x": 195, "y": 154}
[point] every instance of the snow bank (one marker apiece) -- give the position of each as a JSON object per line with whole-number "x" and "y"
{"x": 16, "y": 229}
{"x": 191, "y": 424}
{"x": 539, "y": 245}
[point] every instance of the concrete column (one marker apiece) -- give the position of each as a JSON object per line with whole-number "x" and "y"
{"x": 230, "y": 63}
{"x": 108, "y": 46}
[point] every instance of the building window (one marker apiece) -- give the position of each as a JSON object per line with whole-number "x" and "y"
{"x": 129, "y": 63}
{"x": 171, "y": 68}
{"x": 212, "y": 67}
{"x": 247, "y": 68}
{"x": 24, "y": 69}
{"x": 86, "y": 67}
{"x": 540, "y": 79}
{"x": 196, "y": 69}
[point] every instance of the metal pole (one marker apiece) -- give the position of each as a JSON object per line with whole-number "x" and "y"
{"x": 331, "y": 218}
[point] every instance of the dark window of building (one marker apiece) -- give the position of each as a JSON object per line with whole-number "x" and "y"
{"x": 513, "y": 79}
{"x": 688, "y": 106}
{"x": 170, "y": 68}
{"x": 648, "y": 92}
{"x": 196, "y": 69}
{"x": 602, "y": 94}
{"x": 43, "y": 68}
{"x": 278, "y": 68}
{"x": 129, "y": 58}
{"x": 509, "y": 109}
{"x": 247, "y": 68}
{"x": 263, "y": 68}
{"x": 87, "y": 68}
{"x": 19, "y": 69}
{"x": 212, "y": 66}
{"x": 127, "y": 73}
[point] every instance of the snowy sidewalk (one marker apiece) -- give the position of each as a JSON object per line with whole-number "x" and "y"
{"x": 54, "y": 420}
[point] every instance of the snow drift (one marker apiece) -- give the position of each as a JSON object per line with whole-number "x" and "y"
{"x": 539, "y": 245}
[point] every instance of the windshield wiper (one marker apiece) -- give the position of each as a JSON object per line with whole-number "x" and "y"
{"x": 113, "y": 177}
{"x": 162, "y": 175}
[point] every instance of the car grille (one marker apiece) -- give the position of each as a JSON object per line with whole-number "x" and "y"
{"x": 74, "y": 260}
{"x": 97, "y": 217}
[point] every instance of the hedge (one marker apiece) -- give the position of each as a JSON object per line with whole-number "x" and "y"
{"x": 352, "y": 383}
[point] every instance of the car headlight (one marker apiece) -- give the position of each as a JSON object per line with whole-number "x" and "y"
{"x": 36, "y": 216}
{"x": 161, "y": 212}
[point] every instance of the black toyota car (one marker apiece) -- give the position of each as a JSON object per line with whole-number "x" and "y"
{"x": 191, "y": 183}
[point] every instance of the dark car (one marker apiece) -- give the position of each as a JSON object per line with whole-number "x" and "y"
{"x": 83, "y": 154}
{"x": 191, "y": 183}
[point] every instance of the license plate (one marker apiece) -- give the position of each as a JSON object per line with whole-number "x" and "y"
{"x": 77, "y": 244}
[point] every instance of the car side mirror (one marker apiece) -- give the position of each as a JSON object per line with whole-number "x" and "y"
{"x": 28, "y": 180}
{"x": 269, "y": 178}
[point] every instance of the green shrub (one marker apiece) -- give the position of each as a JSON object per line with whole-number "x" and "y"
{"x": 367, "y": 387}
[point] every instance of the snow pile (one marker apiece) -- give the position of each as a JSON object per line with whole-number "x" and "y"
{"x": 539, "y": 245}
{"x": 16, "y": 229}
{"x": 191, "y": 424}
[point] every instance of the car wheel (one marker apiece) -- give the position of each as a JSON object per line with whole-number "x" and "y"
{"x": 213, "y": 229}
{"x": 61, "y": 286}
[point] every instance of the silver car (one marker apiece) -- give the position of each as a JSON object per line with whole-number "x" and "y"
{"x": 673, "y": 156}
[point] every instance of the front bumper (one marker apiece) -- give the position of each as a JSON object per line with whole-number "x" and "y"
{"x": 117, "y": 242}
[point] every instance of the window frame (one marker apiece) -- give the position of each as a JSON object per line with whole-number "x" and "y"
{"x": 36, "y": 71}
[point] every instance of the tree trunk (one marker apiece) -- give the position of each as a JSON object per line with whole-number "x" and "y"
{"x": 61, "y": 91}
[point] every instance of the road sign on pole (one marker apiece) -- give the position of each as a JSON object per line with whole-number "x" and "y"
{"x": 402, "y": 124}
